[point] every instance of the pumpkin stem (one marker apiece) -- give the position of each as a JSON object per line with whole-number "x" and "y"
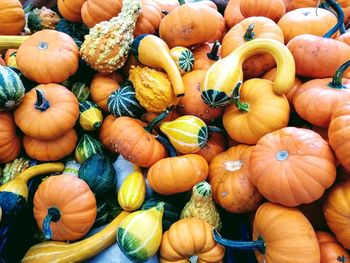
{"x": 159, "y": 118}
{"x": 167, "y": 144}
{"x": 28, "y": 8}
{"x": 165, "y": 12}
{"x": 42, "y": 103}
{"x": 328, "y": 8}
{"x": 242, "y": 106}
{"x": 340, "y": 16}
{"x": 53, "y": 214}
{"x": 213, "y": 54}
{"x": 182, "y": 2}
{"x": 249, "y": 34}
{"x": 258, "y": 244}
{"x": 214, "y": 129}
{"x": 338, "y": 76}
{"x": 341, "y": 259}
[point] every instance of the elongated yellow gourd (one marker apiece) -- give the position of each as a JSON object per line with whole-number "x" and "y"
{"x": 62, "y": 252}
{"x": 222, "y": 77}
{"x": 7, "y": 42}
{"x": 153, "y": 52}
{"x": 132, "y": 193}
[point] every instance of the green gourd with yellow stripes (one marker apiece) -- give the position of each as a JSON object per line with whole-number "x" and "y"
{"x": 87, "y": 146}
{"x": 90, "y": 117}
{"x": 140, "y": 233}
{"x": 183, "y": 57}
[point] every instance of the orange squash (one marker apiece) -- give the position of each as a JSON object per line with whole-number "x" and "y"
{"x": 12, "y": 18}
{"x": 215, "y": 145}
{"x": 233, "y": 13}
{"x": 273, "y": 9}
{"x": 331, "y": 250}
{"x": 104, "y": 132}
{"x": 71, "y": 9}
{"x": 167, "y": 5}
{"x": 10, "y": 143}
{"x": 206, "y": 55}
{"x": 149, "y": 20}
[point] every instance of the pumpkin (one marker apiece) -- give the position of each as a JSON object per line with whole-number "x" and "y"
{"x": 233, "y": 13}
{"x": 12, "y": 19}
{"x": 345, "y": 38}
{"x": 298, "y": 238}
{"x": 102, "y": 86}
{"x": 71, "y": 9}
{"x": 46, "y": 108}
{"x": 81, "y": 91}
{"x": 87, "y": 146}
{"x": 247, "y": 30}
{"x": 90, "y": 117}
{"x": 183, "y": 58}
{"x": 230, "y": 179}
{"x": 43, "y": 18}
{"x": 308, "y": 20}
{"x": 98, "y": 172}
{"x": 191, "y": 103}
{"x": 104, "y": 132}
{"x": 10, "y": 58}
{"x": 76, "y": 30}
{"x": 215, "y": 145}
{"x": 190, "y": 237}
{"x": 55, "y": 54}
{"x": 331, "y": 250}
{"x": 274, "y": 9}
{"x": 206, "y": 55}
{"x": 2, "y": 62}
{"x": 10, "y": 143}
{"x": 303, "y": 158}
{"x": 191, "y": 24}
{"x": 50, "y": 150}
{"x": 149, "y": 116}
{"x": 335, "y": 209}
{"x": 339, "y": 133}
{"x": 11, "y": 89}
{"x": 256, "y": 111}
{"x": 149, "y": 19}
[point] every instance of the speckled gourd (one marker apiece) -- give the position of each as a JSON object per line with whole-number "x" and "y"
{"x": 107, "y": 46}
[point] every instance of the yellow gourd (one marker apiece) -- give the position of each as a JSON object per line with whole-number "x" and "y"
{"x": 7, "y": 42}
{"x": 90, "y": 117}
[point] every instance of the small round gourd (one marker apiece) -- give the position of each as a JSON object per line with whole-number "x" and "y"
{"x": 183, "y": 58}
{"x": 87, "y": 147}
{"x": 90, "y": 115}
{"x": 11, "y": 89}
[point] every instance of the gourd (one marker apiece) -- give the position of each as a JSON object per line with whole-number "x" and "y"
{"x": 104, "y": 133}
{"x": 11, "y": 89}
{"x": 99, "y": 44}
{"x": 81, "y": 91}
{"x": 135, "y": 243}
{"x": 90, "y": 117}
{"x": 202, "y": 206}
{"x": 233, "y": 14}
{"x": 123, "y": 168}
{"x": 77, "y": 251}
{"x": 71, "y": 167}
{"x": 183, "y": 58}
{"x": 274, "y": 9}
{"x": 71, "y": 9}
{"x": 10, "y": 58}
{"x": 98, "y": 172}
{"x": 10, "y": 142}
{"x": 330, "y": 249}
{"x": 11, "y": 42}
{"x": 77, "y": 31}
{"x": 13, "y": 169}
{"x": 87, "y": 146}
{"x": 12, "y": 17}
{"x": 42, "y": 18}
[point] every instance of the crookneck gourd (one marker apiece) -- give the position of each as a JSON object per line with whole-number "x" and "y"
{"x": 107, "y": 46}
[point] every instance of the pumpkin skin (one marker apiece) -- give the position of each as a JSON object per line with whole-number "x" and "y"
{"x": 50, "y": 150}
{"x": 230, "y": 179}
{"x": 238, "y": 35}
{"x": 55, "y": 54}
{"x": 12, "y": 18}
{"x": 331, "y": 250}
{"x": 273, "y": 9}
{"x": 233, "y": 13}
{"x": 301, "y": 165}
{"x": 192, "y": 24}
{"x": 50, "y": 122}
{"x": 167, "y": 5}
{"x": 188, "y": 237}
{"x": 105, "y": 132}
{"x": 75, "y": 202}
{"x": 149, "y": 20}
{"x": 206, "y": 55}
{"x": 10, "y": 143}
{"x": 71, "y": 9}
{"x": 215, "y": 145}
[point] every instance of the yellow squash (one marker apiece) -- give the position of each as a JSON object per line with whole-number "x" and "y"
{"x": 7, "y": 42}
{"x": 90, "y": 117}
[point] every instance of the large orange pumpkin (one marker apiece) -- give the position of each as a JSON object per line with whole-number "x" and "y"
{"x": 273, "y": 9}
{"x": 292, "y": 166}
{"x": 104, "y": 132}
{"x": 331, "y": 250}
{"x": 71, "y": 9}
{"x": 12, "y": 19}
{"x": 10, "y": 143}
{"x": 233, "y": 13}
{"x": 48, "y": 56}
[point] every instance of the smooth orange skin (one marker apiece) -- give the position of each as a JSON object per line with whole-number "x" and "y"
{"x": 330, "y": 248}
{"x": 273, "y": 9}
{"x": 167, "y": 5}
{"x": 345, "y": 38}
{"x": 149, "y": 20}
{"x": 71, "y": 9}
{"x": 12, "y": 18}
{"x": 201, "y": 59}
{"x": 233, "y": 13}
{"x": 215, "y": 145}
{"x": 104, "y": 133}
{"x": 10, "y": 143}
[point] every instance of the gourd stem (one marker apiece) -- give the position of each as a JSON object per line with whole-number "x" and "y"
{"x": 341, "y": 259}
{"x": 42, "y": 103}
{"x": 213, "y": 54}
{"x": 242, "y": 106}
{"x": 327, "y": 7}
{"x": 167, "y": 144}
{"x": 53, "y": 214}
{"x": 214, "y": 129}
{"x": 338, "y": 76}
{"x": 165, "y": 12}
{"x": 249, "y": 34}
{"x": 258, "y": 244}
{"x": 28, "y": 8}
{"x": 340, "y": 16}
{"x": 182, "y": 2}
{"x": 158, "y": 119}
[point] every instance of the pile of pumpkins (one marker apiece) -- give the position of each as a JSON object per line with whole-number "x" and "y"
{"x": 115, "y": 106}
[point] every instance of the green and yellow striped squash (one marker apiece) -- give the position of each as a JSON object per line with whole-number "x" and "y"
{"x": 132, "y": 193}
{"x": 81, "y": 91}
{"x": 90, "y": 117}
{"x": 87, "y": 147}
{"x": 140, "y": 233}
{"x": 183, "y": 58}
{"x": 188, "y": 134}
{"x": 11, "y": 89}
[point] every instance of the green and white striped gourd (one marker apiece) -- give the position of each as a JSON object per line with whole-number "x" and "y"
{"x": 87, "y": 147}
{"x": 11, "y": 89}
{"x": 71, "y": 167}
{"x": 123, "y": 102}
{"x": 183, "y": 58}
{"x": 90, "y": 117}
{"x": 81, "y": 91}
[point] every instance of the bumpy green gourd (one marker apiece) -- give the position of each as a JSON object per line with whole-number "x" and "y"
{"x": 43, "y": 18}
{"x": 13, "y": 169}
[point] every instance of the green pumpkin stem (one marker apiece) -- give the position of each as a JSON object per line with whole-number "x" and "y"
{"x": 182, "y": 2}
{"x": 328, "y": 8}
{"x": 258, "y": 244}
{"x": 28, "y": 8}
{"x": 249, "y": 34}
{"x": 342, "y": 259}
{"x": 167, "y": 144}
{"x": 213, "y": 54}
{"x": 214, "y": 129}
{"x": 42, "y": 103}
{"x": 242, "y": 106}
{"x": 338, "y": 76}
{"x": 53, "y": 214}
{"x": 159, "y": 118}
{"x": 340, "y": 16}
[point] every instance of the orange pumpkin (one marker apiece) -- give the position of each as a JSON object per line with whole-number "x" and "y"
{"x": 215, "y": 145}
{"x": 149, "y": 20}
{"x": 2, "y": 62}
{"x": 292, "y": 166}
{"x": 167, "y": 5}
{"x": 10, "y": 143}
{"x": 52, "y": 110}
{"x": 273, "y": 9}
{"x": 331, "y": 250}
{"x": 10, "y": 58}
{"x": 233, "y": 13}
{"x": 64, "y": 207}
{"x": 104, "y": 132}
{"x": 345, "y": 38}
{"x": 71, "y": 9}
{"x": 149, "y": 116}
{"x": 12, "y": 18}
{"x": 247, "y": 30}
{"x": 48, "y": 56}
{"x": 191, "y": 24}
{"x": 50, "y": 150}
{"x": 206, "y": 55}
{"x": 230, "y": 180}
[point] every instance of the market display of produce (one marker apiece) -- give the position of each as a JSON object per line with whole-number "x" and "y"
{"x": 174, "y": 131}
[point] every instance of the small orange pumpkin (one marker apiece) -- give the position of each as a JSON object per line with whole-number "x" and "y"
{"x": 12, "y": 18}
{"x": 167, "y": 5}
{"x": 215, "y": 145}
{"x": 206, "y": 55}
{"x": 331, "y": 250}
{"x": 10, "y": 143}
{"x": 71, "y": 9}
{"x": 233, "y": 13}
{"x": 273, "y": 9}
{"x": 149, "y": 20}
{"x": 104, "y": 132}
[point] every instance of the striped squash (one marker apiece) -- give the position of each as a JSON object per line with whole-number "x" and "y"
{"x": 140, "y": 233}
{"x": 188, "y": 134}
{"x": 87, "y": 147}
{"x": 183, "y": 58}
{"x": 90, "y": 117}
{"x": 11, "y": 89}
{"x": 132, "y": 193}
{"x": 123, "y": 102}
{"x": 81, "y": 91}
